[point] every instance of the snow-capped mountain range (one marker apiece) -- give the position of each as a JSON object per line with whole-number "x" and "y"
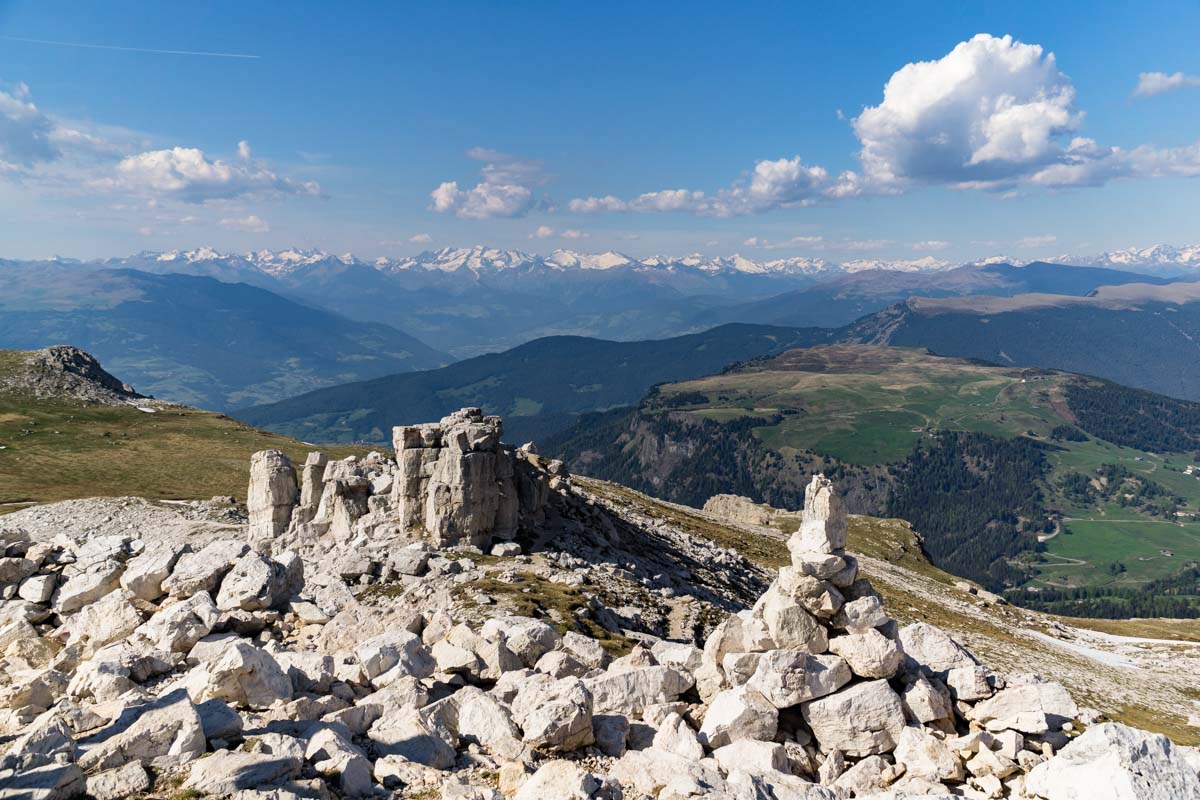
{"x": 1157, "y": 260}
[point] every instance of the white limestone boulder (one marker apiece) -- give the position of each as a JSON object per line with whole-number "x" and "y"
{"x": 202, "y": 571}
{"x": 870, "y": 654}
{"x": 401, "y": 731}
{"x": 927, "y": 756}
{"x": 1033, "y": 708}
{"x": 227, "y": 772}
{"x": 554, "y": 715}
{"x": 167, "y": 726}
{"x": 565, "y": 780}
{"x": 393, "y": 655}
{"x": 789, "y": 677}
{"x": 862, "y": 720}
{"x": 629, "y": 691}
{"x": 790, "y": 626}
{"x": 177, "y": 627}
{"x": 930, "y": 650}
{"x": 145, "y": 573}
{"x": 1116, "y": 762}
{"x": 529, "y": 639}
{"x": 739, "y": 713}
{"x": 240, "y": 674}
{"x": 115, "y": 784}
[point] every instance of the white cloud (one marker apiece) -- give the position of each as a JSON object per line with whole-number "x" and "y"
{"x": 991, "y": 111}
{"x": 26, "y": 134}
{"x": 504, "y": 190}
{"x": 189, "y": 175}
{"x": 46, "y": 153}
{"x": 1036, "y": 241}
{"x": 546, "y": 232}
{"x": 930, "y": 244}
{"x": 796, "y": 241}
{"x": 594, "y": 205}
{"x": 505, "y": 168}
{"x": 247, "y": 224}
{"x": 866, "y": 244}
{"x": 781, "y": 183}
{"x": 1152, "y": 83}
{"x": 420, "y": 238}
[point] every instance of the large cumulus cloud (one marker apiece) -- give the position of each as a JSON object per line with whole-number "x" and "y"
{"x": 993, "y": 114}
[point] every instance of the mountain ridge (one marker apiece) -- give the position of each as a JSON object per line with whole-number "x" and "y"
{"x": 1159, "y": 259}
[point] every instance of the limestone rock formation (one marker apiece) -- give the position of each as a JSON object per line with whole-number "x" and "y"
{"x": 372, "y": 660}
{"x": 735, "y": 508}
{"x": 271, "y": 496}
{"x": 455, "y": 480}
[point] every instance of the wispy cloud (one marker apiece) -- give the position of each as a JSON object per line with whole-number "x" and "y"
{"x": 247, "y": 224}
{"x": 1152, "y": 83}
{"x": 124, "y": 49}
{"x": 796, "y": 241}
{"x": 546, "y": 232}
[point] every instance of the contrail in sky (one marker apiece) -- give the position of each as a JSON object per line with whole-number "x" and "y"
{"x": 127, "y": 49}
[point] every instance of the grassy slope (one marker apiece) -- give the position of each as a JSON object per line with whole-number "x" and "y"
{"x": 57, "y": 450}
{"x": 865, "y": 410}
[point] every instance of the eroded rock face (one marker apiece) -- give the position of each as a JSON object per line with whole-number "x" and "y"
{"x": 1115, "y": 762}
{"x": 739, "y": 509}
{"x": 454, "y": 479}
{"x": 271, "y": 496}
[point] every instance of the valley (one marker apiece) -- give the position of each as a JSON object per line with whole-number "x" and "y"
{"x": 198, "y": 340}
{"x": 976, "y": 456}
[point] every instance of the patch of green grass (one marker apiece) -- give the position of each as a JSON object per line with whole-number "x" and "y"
{"x": 525, "y": 407}
{"x": 1140, "y": 544}
{"x": 59, "y": 450}
{"x": 532, "y": 596}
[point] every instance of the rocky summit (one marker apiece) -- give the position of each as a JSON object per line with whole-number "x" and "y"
{"x": 462, "y": 619}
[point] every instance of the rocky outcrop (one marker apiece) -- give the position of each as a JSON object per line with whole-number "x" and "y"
{"x": 63, "y": 371}
{"x": 735, "y": 508}
{"x": 454, "y": 479}
{"x": 272, "y": 495}
{"x": 219, "y": 669}
{"x": 451, "y": 483}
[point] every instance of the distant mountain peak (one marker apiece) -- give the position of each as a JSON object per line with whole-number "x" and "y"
{"x": 1160, "y": 259}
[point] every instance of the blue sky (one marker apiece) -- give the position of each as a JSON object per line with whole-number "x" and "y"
{"x": 572, "y": 125}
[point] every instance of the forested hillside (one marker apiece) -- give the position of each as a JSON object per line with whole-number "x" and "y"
{"x": 1027, "y": 481}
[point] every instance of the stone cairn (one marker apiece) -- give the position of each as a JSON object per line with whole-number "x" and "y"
{"x": 134, "y": 667}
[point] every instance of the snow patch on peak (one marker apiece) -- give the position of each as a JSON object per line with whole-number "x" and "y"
{"x": 571, "y": 259}
{"x": 1159, "y": 258}
{"x": 926, "y": 264}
